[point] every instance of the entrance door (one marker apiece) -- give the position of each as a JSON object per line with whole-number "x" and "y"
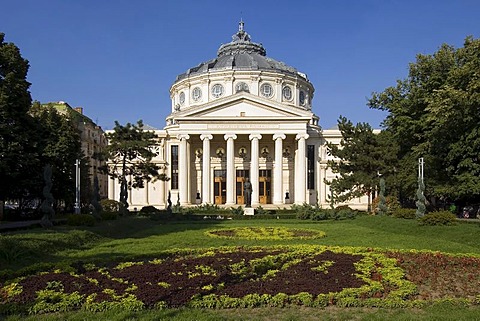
{"x": 241, "y": 175}
{"x": 264, "y": 186}
{"x": 220, "y": 186}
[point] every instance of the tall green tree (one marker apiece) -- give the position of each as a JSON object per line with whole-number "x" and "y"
{"x": 435, "y": 113}
{"x": 17, "y": 146}
{"x": 60, "y": 146}
{"x": 130, "y": 153}
{"x": 359, "y": 160}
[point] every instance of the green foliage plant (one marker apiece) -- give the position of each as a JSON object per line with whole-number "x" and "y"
{"x": 237, "y": 210}
{"x": 109, "y": 205}
{"x": 265, "y": 233}
{"x": 433, "y": 112}
{"x": 108, "y": 216}
{"x": 405, "y": 213}
{"x": 80, "y": 220}
{"x": 438, "y": 218}
{"x": 130, "y": 152}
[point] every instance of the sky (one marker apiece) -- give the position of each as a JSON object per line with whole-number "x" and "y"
{"x": 117, "y": 59}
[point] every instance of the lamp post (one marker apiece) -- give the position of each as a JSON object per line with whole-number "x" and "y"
{"x": 77, "y": 187}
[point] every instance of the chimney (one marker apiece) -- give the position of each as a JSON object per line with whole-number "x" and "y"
{"x": 79, "y": 110}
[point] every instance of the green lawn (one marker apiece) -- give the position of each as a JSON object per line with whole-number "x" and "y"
{"x": 135, "y": 237}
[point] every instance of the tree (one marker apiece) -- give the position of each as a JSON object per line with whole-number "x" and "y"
{"x": 17, "y": 146}
{"x": 130, "y": 153}
{"x": 60, "y": 146}
{"x": 435, "y": 113}
{"x": 361, "y": 156}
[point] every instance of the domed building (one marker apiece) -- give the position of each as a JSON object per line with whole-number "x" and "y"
{"x": 239, "y": 117}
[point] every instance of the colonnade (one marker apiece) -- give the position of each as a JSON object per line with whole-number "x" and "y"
{"x": 278, "y": 193}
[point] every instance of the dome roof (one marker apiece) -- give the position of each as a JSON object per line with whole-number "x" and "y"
{"x": 241, "y": 54}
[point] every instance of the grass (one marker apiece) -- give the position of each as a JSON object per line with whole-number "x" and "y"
{"x": 134, "y": 237}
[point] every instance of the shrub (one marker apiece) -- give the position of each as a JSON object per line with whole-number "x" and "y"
{"x": 438, "y": 218}
{"x": 304, "y": 212}
{"x": 80, "y": 220}
{"x": 392, "y": 204}
{"x": 323, "y": 214}
{"x": 111, "y": 205}
{"x": 406, "y": 213}
{"x": 237, "y": 211}
{"x": 149, "y": 210}
{"x": 261, "y": 211}
{"x": 109, "y": 216}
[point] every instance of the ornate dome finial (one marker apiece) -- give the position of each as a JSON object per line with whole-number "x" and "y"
{"x": 241, "y": 35}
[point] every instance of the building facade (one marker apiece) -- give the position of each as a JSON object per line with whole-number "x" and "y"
{"x": 241, "y": 115}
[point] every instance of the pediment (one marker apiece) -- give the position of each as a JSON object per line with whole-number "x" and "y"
{"x": 243, "y": 105}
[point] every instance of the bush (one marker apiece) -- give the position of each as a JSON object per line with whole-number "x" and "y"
{"x": 261, "y": 211}
{"x": 406, "y": 213}
{"x": 438, "y": 218}
{"x": 111, "y": 205}
{"x": 80, "y": 220}
{"x": 237, "y": 211}
{"x": 109, "y": 216}
{"x": 149, "y": 210}
{"x": 161, "y": 215}
{"x": 392, "y": 204}
{"x": 304, "y": 212}
{"x": 323, "y": 214}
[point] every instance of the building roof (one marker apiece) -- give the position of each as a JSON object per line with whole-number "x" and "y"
{"x": 241, "y": 54}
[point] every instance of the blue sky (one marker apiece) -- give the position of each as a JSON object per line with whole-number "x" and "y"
{"x": 118, "y": 59}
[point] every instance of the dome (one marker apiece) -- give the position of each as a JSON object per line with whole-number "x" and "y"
{"x": 241, "y": 54}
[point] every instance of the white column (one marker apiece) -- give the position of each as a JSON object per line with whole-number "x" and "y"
{"x": 111, "y": 188}
{"x": 183, "y": 169}
{"x": 230, "y": 168}
{"x": 206, "y": 168}
{"x": 161, "y": 190}
{"x": 278, "y": 169}
{"x": 254, "y": 167}
{"x": 300, "y": 169}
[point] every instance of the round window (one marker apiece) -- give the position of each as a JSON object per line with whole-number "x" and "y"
{"x": 241, "y": 86}
{"x": 196, "y": 94}
{"x": 217, "y": 90}
{"x": 266, "y": 90}
{"x": 182, "y": 98}
{"x": 287, "y": 92}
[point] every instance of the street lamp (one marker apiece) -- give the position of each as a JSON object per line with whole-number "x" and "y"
{"x": 77, "y": 187}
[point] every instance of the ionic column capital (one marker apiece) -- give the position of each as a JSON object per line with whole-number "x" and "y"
{"x": 230, "y": 135}
{"x": 206, "y": 136}
{"x": 255, "y": 136}
{"x": 183, "y": 136}
{"x": 302, "y": 135}
{"x": 279, "y": 135}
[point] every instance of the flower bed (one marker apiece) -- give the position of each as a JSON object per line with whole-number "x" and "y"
{"x": 232, "y": 277}
{"x": 265, "y": 233}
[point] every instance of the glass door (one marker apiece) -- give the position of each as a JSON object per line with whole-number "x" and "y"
{"x": 242, "y": 174}
{"x": 264, "y": 186}
{"x": 220, "y": 186}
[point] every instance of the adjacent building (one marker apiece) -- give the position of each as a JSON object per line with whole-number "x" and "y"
{"x": 241, "y": 115}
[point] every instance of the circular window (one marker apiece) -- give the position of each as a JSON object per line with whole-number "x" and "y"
{"x": 217, "y": 90}
{"x": 196, "y": 94}
{"x": 287, "y": 92}
{"x": 241, "y": 86}
{"x": 266, "y": 90}
{"x": 302, "y": 97}
{"x": 182, "y": 98}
